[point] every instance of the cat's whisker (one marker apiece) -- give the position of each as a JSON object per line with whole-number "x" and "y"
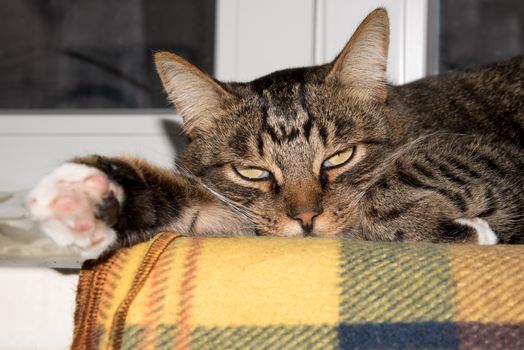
{"x": 237, "y": 207}
{"x": 232, "y": 204}
{"x": 356, "y": 200}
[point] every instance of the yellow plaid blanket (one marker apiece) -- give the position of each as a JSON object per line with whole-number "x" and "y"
{"x": 276, "y": 293}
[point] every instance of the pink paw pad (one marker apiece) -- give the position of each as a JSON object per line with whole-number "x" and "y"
{"x": 65, "y": 204}
{"x": 84, "y": 225}
{"x": 100, "y": 183}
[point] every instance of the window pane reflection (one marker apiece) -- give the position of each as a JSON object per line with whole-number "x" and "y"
{"x": 72, "y": 54}
{"x": 478, "y": 32}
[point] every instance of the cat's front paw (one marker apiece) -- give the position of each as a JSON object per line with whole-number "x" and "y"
{"x": 76, "y": 205}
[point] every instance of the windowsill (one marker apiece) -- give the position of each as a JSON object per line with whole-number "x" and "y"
{"x": 35, "y": 252}
{"x": 22, "y": 245}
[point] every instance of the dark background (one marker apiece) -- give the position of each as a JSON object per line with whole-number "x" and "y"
{"x": 477, "y": 32}
{"x": 82, "y": 54}
{"x": 63, "y": 54}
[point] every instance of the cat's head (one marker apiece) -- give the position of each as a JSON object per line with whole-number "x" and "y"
{"x": 296, "y": 148}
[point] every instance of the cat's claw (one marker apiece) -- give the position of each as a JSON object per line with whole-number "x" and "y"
{"x": 67, "y": 205}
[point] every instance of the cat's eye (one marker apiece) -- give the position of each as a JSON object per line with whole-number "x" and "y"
{"x": 252, "y": 173}
{"x": 339, "y": 158}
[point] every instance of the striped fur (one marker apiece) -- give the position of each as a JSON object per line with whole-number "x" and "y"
{"x": 426, "y": 155}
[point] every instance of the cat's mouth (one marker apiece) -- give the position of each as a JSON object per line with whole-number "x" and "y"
{"x": 287, "y": 229}
{"x": 335, "y": 220}
{"x": 294, "y": 229}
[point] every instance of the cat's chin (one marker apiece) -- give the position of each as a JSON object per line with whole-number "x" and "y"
{"x": 325, "y": 233}
{"x": 323, "y": 227}
{"x": 331, "y": 226}
{"x": 302, "y": 233}
{"x": 285, "y": 229}
{"x": 285, "y": 233}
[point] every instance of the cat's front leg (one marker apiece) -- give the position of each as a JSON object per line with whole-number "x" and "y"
{"x": 97, "y": 204}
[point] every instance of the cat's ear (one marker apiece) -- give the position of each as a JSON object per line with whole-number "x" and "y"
{"x": 197, "y": 97}
{"x": 361, "y": 66}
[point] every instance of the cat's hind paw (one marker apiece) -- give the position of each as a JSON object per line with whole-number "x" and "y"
{"x": 76, "y": 205}
{"x": 485, "y": 234}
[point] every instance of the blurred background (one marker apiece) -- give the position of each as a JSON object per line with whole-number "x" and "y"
{"x": 77, "y": 77}
{"x": 96, "y": 54}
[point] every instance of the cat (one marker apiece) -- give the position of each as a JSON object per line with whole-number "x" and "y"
{"x": 329, "y": 150}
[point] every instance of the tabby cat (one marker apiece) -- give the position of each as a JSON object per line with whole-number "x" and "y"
{"x": 329, "y": 150}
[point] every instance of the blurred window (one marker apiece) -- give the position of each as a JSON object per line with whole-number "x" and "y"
{"x": 83, "y": 54}
{"x": 478, "y": 32}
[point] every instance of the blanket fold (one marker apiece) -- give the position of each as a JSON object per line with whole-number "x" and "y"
{"x": 301, "y": 293}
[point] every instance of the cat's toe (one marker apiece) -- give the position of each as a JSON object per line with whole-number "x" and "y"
{"x": 98, "y": 183}
{"x": 70, "y": 206}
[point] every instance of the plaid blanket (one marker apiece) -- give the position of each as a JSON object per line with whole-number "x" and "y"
{"x": 277, "y": 293}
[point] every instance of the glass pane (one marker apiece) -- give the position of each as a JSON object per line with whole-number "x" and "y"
{"x": 72, "y": 54}
{"x": 478, "y": 32}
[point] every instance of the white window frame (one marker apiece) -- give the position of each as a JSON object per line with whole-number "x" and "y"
{"x": 251, "y": 25}
{"x": 408, "y": 49}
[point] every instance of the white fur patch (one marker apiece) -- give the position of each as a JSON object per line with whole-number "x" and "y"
{"x": 486, "y": 236}
{"x": 68, "y": 180}
{"x": 94, "y": 251}
{"x": 46, "y": 190}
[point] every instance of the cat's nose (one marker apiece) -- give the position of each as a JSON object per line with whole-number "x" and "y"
{"x": 306, "y": 219}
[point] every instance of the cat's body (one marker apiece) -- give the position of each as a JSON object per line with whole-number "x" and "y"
{"x": 473, "y": 152}
{"x": 489, "y": 100}
{"x": 322, "y": 151}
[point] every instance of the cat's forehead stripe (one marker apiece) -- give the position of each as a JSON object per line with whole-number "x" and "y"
{"x": 265, "y": 124}
{"x": 285, "y": 116}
